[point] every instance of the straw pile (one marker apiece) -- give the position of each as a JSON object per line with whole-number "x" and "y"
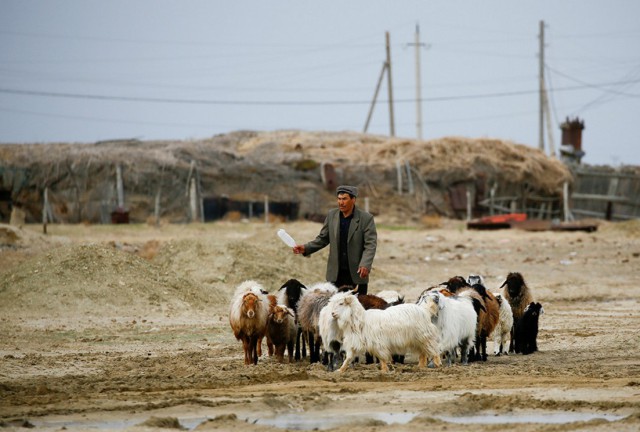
{"x": 286, "y": 165}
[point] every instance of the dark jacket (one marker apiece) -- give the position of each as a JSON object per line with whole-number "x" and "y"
{"x": 362, "y": 243}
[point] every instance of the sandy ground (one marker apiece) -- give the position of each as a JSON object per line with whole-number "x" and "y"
{"x": 126, "y": 328}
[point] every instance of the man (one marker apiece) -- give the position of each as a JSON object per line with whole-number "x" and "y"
{"x": 352, "y": 239}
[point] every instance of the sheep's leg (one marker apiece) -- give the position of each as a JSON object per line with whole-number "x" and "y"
{"x": 304, "y": 344}
{"x": 254, "y": 345}
{"x": 312, "y": 347}
{"x": 422, "y": 360}
{"x": 484, "y": 348}
{"x": 512, "y": 343}
{"x": 478, "y": 350}
{"x": 259, "y": 346}
{"x": 298, "y": 337}
{"x": 464, "y": 354}
{"x": 290, "y": 350}
{"x": 247, "y": 349}
{"x": 384, "y": 367}
{"x": 347, "y": 361}
{"x": 503, "y": 345}
{"x": 316, "y": 351}
{"x": 437, "y": 361}
{"x": 497, "y": 343}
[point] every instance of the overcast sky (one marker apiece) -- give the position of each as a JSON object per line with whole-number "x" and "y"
{"x": 85, "y": 71}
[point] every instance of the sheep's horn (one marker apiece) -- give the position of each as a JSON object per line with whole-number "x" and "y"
{"x": 355, "y": 290}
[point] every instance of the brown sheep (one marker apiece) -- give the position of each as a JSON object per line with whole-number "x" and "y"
{"x": 281, "y": 331}
{"x": 273, "y": 301}
{"x": 248, "y": 318}
{"x": 519, "y": 297}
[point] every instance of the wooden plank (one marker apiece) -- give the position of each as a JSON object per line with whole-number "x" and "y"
{"x": 596, "y": 197}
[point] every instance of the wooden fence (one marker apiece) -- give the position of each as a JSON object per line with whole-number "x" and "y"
{"x": 605, "y": 194}
{"x": 596, "y": 192}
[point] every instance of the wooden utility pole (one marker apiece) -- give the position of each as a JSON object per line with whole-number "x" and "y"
{"x": 392, "y": 127}
{"x": 45, "y": 208}
{"x": 417, "y": 44}
{"x": 541, "y": 91}
{"x": 119, "y": 186}
{"x": 375, "y": 97}
{"x": 386, "y": 67}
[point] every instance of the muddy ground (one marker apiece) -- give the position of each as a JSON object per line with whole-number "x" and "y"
{"x": 126, "y": 328}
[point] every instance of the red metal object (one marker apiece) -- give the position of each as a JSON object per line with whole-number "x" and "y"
{"x": 504, "y": 218}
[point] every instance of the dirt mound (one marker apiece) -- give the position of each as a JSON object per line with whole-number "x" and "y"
{"x": 220, "y": 264}
{"x": 92, "y": 279}
{"x": 13, "y": 237}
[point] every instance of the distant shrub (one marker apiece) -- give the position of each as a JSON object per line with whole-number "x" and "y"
{"x": 305, "y": 165}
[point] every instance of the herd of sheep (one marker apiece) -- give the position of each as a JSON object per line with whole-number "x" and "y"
{"x": 340, "y": 326}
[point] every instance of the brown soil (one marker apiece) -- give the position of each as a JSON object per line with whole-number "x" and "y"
{"x": 125, "y": 327}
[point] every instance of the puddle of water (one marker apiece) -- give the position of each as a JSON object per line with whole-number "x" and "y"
{"x": 546, "y": 418}
{"x": 307, "y": 421}
{"x": 318, "y": 421}
{"x": 189, "y": 423}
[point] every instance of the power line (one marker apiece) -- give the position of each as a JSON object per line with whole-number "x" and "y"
{"x": 599, "y": 86}
{"x": 298, "y": 103}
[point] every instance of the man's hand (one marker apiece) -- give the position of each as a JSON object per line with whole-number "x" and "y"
{"x": 298, "y": 249}
{"x": 363, "y": 272}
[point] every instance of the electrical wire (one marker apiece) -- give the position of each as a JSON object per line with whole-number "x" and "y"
{"x": 298, "y": 103}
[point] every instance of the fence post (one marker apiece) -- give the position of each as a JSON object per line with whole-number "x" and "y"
{"x": 45, "y": 206}
{"x": 565, "y": 201}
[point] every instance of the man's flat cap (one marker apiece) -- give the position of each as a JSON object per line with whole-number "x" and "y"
{"x": 351, "y": 190}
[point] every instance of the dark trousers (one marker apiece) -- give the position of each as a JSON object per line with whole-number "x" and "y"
{"x": 344, "y": 279}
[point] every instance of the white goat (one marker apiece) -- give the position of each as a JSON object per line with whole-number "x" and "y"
{"x": 401, "y": 328}
{"x": 502, "y": 332}
{"x": 456, "y": 319}
{"x": 331, "y": 336}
